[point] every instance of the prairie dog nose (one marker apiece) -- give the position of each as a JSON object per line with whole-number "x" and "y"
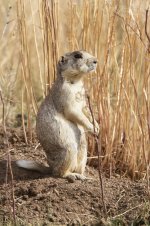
{"x": 95, "y": 61}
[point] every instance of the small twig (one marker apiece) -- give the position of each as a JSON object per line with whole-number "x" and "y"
{"x": 3, "y": 155}
{"x": 99, "y": 159}
{"x": 146, "y": 32}
{"x": 139, "y": 35}
{"x": 127, "y": 211}
{"x": 96, "y": 157}
{"x": 3, "y": 115}
{"x": 23, "y": 123}
{"x": 36, "y": 146}
{"x": 12, "y": 187}
{"x": 8, "y": 166}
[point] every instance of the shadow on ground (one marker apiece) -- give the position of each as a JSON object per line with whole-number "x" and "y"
{"x": 19, "y": 174}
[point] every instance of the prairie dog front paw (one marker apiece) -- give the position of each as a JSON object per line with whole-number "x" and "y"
{"x": 96, "y": 127}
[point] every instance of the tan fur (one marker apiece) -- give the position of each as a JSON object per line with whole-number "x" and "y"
{"x": 63, "y": 118}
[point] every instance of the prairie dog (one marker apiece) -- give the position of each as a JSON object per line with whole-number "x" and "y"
{"x": 63, "y": 119}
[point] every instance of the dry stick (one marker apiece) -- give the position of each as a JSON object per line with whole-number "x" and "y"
{"x": 146, "y": 32}
{"x": 54, "y": 37}
{"x": 3, "y": 155}
{"x": 147, "y": 111}
{"x": 22, "y": 114}
{"x": 99, "y": 159}
{"x": 8, "y": 167}
{"x": 4, "y": 127}
{"x": 43, "y": 19}
{"x": 37, "y": 49}
{"x": 12, "y": 186}
{"x": 127, "y": 211}
{"x": 26, "y": 54}
{"x": 139, "y": 35}
{"x": 20, "y": 27}
{"x": 148, "y": 126}
{"x": 46, "y": 43}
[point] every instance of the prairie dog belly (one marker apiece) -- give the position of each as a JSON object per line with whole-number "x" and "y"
{"x": 69, "y": 133}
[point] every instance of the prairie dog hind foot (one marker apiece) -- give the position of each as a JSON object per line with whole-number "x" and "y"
{"x": 71, "y": 177}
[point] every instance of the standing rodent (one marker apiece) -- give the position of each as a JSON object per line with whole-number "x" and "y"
{"x": 63, "y": 119}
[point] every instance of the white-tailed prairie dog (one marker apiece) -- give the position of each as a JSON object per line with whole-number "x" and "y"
{"x": 63, "y": 119}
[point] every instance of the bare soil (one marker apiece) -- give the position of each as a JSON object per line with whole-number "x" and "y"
{"x": 43, "y": 200}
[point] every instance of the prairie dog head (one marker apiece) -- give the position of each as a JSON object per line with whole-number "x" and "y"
{"x": 77, "y": 63}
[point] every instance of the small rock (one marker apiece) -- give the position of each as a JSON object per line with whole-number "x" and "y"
{"x": 37, "y": 208}
{"x": 25, "y": 197}
{"x": 50, "y": 218}
{"x": 71, "y": 179}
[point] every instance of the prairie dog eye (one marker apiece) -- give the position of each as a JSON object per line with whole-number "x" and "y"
{"x": 78, "y": 55}
{"x": 62, "y": 59}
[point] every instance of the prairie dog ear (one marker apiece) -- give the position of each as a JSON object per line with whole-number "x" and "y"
{"x": 62, "y": 60}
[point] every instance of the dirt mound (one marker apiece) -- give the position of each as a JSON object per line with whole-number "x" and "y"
{"x": 52, "y": 201}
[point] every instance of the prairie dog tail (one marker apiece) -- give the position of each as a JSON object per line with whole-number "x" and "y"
{"x": 32, "y": 165}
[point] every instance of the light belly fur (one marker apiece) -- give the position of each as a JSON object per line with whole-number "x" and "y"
{"x": 67, "y": 132}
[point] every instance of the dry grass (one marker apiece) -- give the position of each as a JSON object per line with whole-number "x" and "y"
{"x": 35, "y": 33}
